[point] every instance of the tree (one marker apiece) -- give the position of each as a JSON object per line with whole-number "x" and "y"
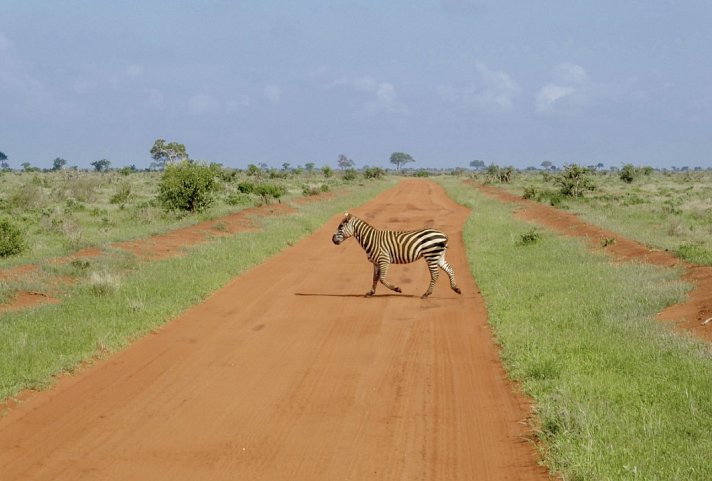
{"x": 101, "y": 165}
{"x": 164, "y": 153}
{"x": 400, "y": 158}
{"x": 310, "y": 167}
{"x": 58, "y": 164}
{"x": 344, "y": 162}
{"x": 3, "y": 161}
{"x": 628, "y": 173}
{"x": 285, "y": 166}
{"x": 547, "y": 165}
{"x": 477, "y": 164}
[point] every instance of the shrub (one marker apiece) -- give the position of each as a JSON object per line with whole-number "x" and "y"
{"x": 122, "y": 194}
{"x": 350, "y": 174}
{"x": 373, "y": 172}
{"x": 421, "y": 173}
{"x": 530, "y": 192}
{"x": 628, "y": 173}
{"x": 574, "y": 181}
{"x": 246, "y": 187}
{"x": 267, "y": 192}
{"x": 12, "y": 240}
{"x": 187, "y": 186}
{"x": 529, "y": 237}
{"x": 327, "y": 171}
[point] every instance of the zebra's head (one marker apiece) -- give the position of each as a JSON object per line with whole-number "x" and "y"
{"x": 345, "y": 230}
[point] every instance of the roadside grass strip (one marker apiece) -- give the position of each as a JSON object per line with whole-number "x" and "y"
{"x": 111, "y": 308}
{"x": 618, "y": 396}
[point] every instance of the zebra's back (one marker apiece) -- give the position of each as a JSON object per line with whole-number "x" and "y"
{"x": 408, "y": 246}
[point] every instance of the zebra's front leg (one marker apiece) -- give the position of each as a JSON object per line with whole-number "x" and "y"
{"x": 383, "y": 270}
{"x": 376, "y": 276}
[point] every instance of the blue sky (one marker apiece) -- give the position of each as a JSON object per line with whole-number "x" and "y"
{"x": 448, "y": 81}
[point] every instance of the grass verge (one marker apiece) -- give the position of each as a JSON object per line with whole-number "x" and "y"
{"x": 618, "y": 395}
{"x": 110, "y": 309}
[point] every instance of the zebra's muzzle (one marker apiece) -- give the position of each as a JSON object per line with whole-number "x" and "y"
{"x": 337, "y": 240}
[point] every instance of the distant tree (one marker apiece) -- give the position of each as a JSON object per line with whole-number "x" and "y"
{"x": 26, "y": 166}
{"x": 477, "y": 164}
{"x": 599, "y": 165}
{"x": 400, "y": 158}
{"x": 547, "y": 165}
{"x": 285, "y": 166}
{"x": 3, "y": 161}
{"x": 167, "y": 153}
{"x": 58, "y": 164}
{"x": 310, "y": 167}
{"x": 327, "y": 171}
{"x": 101, "y": 165}
{"x": 344, "y": 162}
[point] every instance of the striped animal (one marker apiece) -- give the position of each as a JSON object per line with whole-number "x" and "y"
{"x": 385, "y": 247}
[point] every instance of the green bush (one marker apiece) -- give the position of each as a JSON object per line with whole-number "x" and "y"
{"x": 12, "y": 240}
{"x": 574, "y": 181}
{"x": 373, "y": 172}
{"x": 187, "y": 186}
{"x": 628, "y": 173}
{"x": 246, "y": 187}
{"x": 350, "y": 174}
{"x": 267, "y": 192}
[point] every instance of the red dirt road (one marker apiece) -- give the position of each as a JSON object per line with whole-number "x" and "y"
{"x": 288, "y": 373}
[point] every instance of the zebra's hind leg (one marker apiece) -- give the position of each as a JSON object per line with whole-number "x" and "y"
{"x": 434, "y": 273}
{"x": 383, "y": 270}
{"x": 450, "y": 272}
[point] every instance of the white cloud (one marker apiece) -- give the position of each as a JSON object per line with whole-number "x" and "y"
{"x": 203, "y": 104}
{"x": 493, "y": 91}
{"x": 567, "y": 94}
{"x": 272, "y": 93}
{"x": 382, "y": 95}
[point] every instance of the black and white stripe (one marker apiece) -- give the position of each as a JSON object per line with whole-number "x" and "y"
{"x": 385, "y": 247}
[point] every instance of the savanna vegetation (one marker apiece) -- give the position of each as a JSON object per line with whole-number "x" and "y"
{"x": 664, "y": 210}
{"x": 617, "y": 395}
{"x": 112, "y": 300}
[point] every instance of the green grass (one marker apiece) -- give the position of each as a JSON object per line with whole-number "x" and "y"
{"x": 618, "y": 395}
{"x": 670, "y": 211}
{"x": 63, "y": 212}
{"x": 114, "y": 306}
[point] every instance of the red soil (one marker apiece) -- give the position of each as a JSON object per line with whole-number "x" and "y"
{"x": 289, "y": 373}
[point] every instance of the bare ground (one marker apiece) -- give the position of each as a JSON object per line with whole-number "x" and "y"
{"x": 288, "y": 373}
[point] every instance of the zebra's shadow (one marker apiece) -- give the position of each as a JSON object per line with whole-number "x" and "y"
{"x": 322, "y": 294}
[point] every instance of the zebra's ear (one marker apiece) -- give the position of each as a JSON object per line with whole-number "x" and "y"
{"x": 347, "y": 215}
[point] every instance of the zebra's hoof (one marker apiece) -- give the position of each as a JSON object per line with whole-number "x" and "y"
{"x": 397, "y": 289}
{"x": 369, "y": 294}
{"x": 457, "y": 289}
{"x": 425, "y": 296}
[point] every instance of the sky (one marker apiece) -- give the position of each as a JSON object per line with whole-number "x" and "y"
{"x": 273, "y": 81}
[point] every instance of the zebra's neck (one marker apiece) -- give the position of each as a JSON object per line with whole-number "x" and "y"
{"x": 362, "y": 231}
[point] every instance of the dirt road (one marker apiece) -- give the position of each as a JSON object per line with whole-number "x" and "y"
{"x": 288, "y": 373}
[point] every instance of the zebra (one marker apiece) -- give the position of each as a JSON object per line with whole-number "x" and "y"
{"x": 385, "y": 247}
